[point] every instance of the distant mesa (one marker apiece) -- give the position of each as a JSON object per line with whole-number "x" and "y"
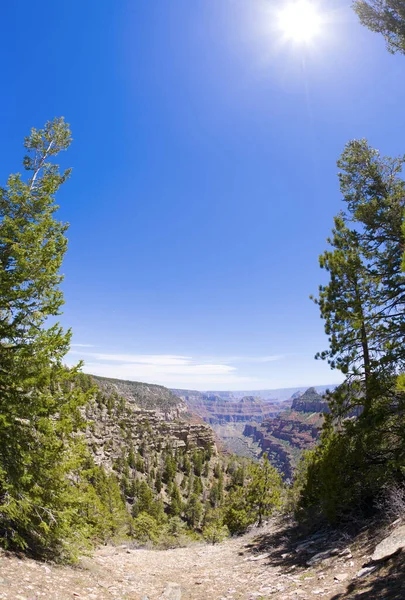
{"x": 217, "y": 409}
{"x": 282, "y": 422}
{"x": 292, "y": 431}
{"x": 310, "y": 402}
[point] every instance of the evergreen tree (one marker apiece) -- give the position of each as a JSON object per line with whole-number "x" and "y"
{"x": 364, "y": 310}
{"x": 38, "y": 398}
{"x": 186, "y": 465}
{"x": 236, "y": 515}
{"x": 176, "y": 505}
{"x": 145, "y": 528}
{"x": 144, "y": 500}
{"x": 386, "y": 17}
{"x": 263, "y": 491}
{"x": 169, "y": 469}
{"x": 346, "y": 306}
{"x": 197, "y": 463}
{"x": 158, "y": 482}
{"x": 364, "y": 301}
{"x": 131, "y": 458}
{"x": 193, "y": 511}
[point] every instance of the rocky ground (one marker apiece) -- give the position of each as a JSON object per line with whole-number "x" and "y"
{"x": 271, "y": 562}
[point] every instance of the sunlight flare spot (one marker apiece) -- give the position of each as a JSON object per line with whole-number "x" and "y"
{"x": 300, "y": 21}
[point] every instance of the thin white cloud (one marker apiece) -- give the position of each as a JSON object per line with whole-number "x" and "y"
{"x": 252, "y": 359}
{"x": 187, "y": 376}
{"x": 82, "y": 345}
{"x": 165, "y": 369}
{"x": 143, "y": 359}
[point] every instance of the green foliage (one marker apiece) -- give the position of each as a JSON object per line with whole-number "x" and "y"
{"x": 198, "y": 463}
{"x": 363, "y": 302}
{"x": 144, "y": 500}
{"x": 214, "y": 530}
{"x": 235, "y": 512}
{"x": 263, "y": 492}
{"x": 193, "y": 511}
{"x": 158, "y": 482}
{"x": 39, "y": 397}
{"x": 170, "y": 469}
{"x": 215, "y": 533}
{"x": 145, "y": 528}
{"x": 238, "y": 477}
{"x": 176, "y": 505}
{"x": 350, "y": 468}
{"x": 362, "y": 448}
{"x": 131, "y": 458}
{"x": 386, "y": 17}
{"x": 102, "y": 507}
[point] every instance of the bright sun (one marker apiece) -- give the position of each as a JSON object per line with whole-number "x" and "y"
{"x": 300, "y": 21}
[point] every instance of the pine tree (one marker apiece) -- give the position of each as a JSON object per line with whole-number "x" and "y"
{"x": 169, "y": 469}
{"x": 197, "y": 463}
{"x": 144, "y": 500}
{"x": 158, "y": 482}
{"x": 363, "y": 303}
{"x": 193, "y": 511}
{"x": 176, "y": 505}
{"x": 263, "y": 491}
{"x": 386, "y": 17}
{"x": 364, "y": 310}
{"x": 346, "y": 306}
{"x": 38, "y": 398}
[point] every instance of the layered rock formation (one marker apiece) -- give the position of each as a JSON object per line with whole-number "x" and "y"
{"x": 217, "y": 410}
{"x": 287, "y": 435}
{"x": 145, "y": 395}
{"x": 310, "y": 402}
{"x": 136, "y": 415}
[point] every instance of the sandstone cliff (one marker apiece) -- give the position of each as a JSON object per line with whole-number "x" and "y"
{"x": 287, "y": 435}
{"x": 217, "y": 410}
{"x": 140, "y": 416}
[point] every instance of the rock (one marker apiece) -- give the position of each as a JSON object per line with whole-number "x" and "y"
{"x": 365, "y": 571}
{"x": 171, "y": 592}
{"x": 321, "y": 556}
{"x": 318, "y": 538}
{"x": 341, "y": 576}
{"x": 390, "y": 544}
{"x": 260, "y": 557}
{"x": 346, "y": 553}
{"x": 268, "y": 590}
{"x": 317, "y": 592}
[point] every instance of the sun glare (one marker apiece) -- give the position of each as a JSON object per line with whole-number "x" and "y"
{"x": 300, "y": 21}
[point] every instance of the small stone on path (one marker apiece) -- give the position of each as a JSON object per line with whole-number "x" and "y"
{"x": 365, "y": 571}
{"x": 341, "y": 576}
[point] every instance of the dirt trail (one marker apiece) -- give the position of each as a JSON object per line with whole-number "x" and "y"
{"x": 249, "y": 568}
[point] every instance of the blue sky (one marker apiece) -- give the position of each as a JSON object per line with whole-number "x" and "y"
{"x": 204, "y": 176}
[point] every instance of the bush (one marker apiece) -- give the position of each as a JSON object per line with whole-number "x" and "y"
{"x": 145, "y": 528}
{"x": 214, "y": 534}
{"x": 353, "y": 467}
